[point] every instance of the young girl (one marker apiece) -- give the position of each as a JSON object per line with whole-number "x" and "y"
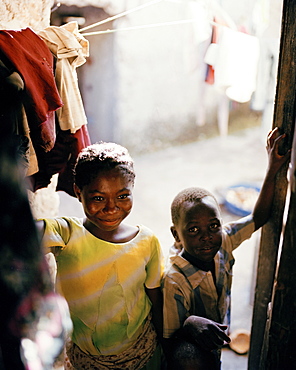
{"x": 108, "y": 271}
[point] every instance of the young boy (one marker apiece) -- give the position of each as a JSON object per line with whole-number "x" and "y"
{"x": 197, "y": 285}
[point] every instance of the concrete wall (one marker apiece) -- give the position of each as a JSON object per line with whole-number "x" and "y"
{"x": 25, "y": 13}
{"x": 161, "y": 76}
{"x": 145, "y": 88}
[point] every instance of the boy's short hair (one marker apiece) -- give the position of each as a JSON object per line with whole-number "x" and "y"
{"x": 193, "y": 194}
{"x": 102, "y": 157}
{"x": 186, "y": 353}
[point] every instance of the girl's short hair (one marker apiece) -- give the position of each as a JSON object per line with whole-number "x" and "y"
{"x": 188, "y": 195}
{"x": 101, "y": 157}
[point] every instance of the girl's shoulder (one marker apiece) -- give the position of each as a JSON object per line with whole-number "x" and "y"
{"x": 144, "y": 230}
{"x": 148, "y": 237}
{"x": 61, "y": 228}
{"x": 146, "y": 233}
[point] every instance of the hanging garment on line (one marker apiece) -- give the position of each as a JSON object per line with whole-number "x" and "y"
{"x": 216, "y": 29}
{"x": 11, "y": 111}
{"x": 70, "y": 50}
{"x": 34, "y": 62}
{"x": 235, "y": 60}
{"x": 61, "y": 159}
{"x": 11, "y": 91}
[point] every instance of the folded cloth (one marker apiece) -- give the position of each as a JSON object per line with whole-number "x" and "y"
{"x": 70, "y": 50}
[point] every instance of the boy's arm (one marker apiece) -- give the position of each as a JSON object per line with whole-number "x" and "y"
{"x": 206, "y": 334}
{"x": 263, "y": 206}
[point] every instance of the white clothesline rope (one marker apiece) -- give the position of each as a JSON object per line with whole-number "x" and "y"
{"x": 148, "y": 26}
{"x": 120, "y": 15}
{"x": 140, "y": 27}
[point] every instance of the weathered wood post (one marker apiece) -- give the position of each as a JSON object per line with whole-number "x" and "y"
{"x": 281, "y": 339}
{"x": 284, "y": 118}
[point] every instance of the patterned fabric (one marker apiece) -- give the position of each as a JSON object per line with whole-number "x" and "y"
{"x": 104, "y": 283}
{"x": 132, "y": 358}
{"x": 190, "y": 291}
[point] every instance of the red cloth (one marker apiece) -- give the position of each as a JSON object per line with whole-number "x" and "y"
{"x": 32, "y": 59}
{"x": 210, "y": 74}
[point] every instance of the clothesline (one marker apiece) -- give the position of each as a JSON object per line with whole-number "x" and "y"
{"x": 140, "y": 27}
{"x": 120, "y": 15}
{"x": 184, "y": 21}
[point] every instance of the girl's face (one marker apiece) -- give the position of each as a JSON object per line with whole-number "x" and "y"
{"x": 106, "y": 201}
{"x": 199, "y": 229}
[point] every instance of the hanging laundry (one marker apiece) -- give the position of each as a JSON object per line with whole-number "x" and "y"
{"x": 197, "y": 37}
{"x": 31, "y": 58}
{"x": 220, "y": 18}
{"x": 11, "y": 90}
{"x": 70, "y": 50}
{"x": 61, "y": 159}
{"x": 235, "y": 61}
{"x": 210, "y": 73}
{"x": 11, "y": 110}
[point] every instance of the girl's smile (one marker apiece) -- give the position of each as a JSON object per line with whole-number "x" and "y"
{"x": 107, "y": 201}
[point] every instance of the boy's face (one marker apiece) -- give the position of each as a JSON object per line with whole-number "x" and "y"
{"x": 106, "y": 201}
{"x": 199, "y": 228}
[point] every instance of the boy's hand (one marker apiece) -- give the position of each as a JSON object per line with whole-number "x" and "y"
{"x": 275, "y": 159}
{"x": 206, "y": 333}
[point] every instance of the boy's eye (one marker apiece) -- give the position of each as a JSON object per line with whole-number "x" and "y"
{"x": 215, "y": 226}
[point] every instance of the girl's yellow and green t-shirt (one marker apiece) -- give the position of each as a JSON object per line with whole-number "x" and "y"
{"x": 104, "y": 283}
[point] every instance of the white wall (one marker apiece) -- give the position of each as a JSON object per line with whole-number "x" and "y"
{"x": 161, "y": 74}
{"x": 145, "y": 88}
{"x": 25, "y": 13}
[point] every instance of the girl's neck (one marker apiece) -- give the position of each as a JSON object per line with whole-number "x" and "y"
{"x": 122, "y": 234}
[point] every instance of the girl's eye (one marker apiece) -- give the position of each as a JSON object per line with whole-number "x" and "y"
{"x": 193, "y": 229}
{"x": 98, "y": 198}
{"x": 123, "y": 196}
